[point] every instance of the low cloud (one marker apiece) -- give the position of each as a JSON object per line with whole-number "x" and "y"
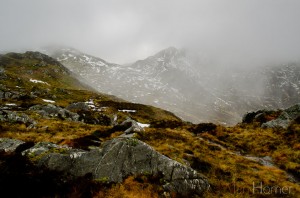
{"x": 233, "y": 32}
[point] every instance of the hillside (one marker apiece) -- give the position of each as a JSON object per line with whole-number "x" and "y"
{"x": 66, "y": 140}
{"x": 186, "y": 84}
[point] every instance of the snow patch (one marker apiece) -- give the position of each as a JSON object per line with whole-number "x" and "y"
{"x": 38, "y": 81}
{"x": 10, "y": 104}
{"x": 91, "y": 104}
{"x": 76, "y": 155}
{"x": 127, "y": 110}
{"x": 50, "y": 101}
{"x": 90, "y": 61}
{"x": 93, "y": 107}
{"x": 143, "y": 125}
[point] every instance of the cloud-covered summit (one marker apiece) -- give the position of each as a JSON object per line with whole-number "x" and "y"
{"x": 231, "y": 32}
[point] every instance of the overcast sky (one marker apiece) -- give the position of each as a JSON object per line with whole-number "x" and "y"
{"x": 123, "y": 31}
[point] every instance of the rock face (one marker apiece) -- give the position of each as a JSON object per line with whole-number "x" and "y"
{"x": 285, "y": 118}
{"x": 116, "y": 160}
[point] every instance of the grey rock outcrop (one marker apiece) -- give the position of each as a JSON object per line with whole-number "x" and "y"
{"x": 128, "y": 126}
{"x": 285, "y": 118}
{"x": 9, "y": 145}
{"x": 78, "y": 106}
{"x": 265, "y": 161}
{"x": 51, "y": 110}
{"x": 83, "y": 113}
{"x": 9, "y": 94}
{"x": 116, "y": 160}
{"x": 260, "y": 116}
{"x": 15, "y": 117}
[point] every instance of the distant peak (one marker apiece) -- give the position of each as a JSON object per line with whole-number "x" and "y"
{"x": 170, "y": 51}
{"x": 52, "y": 49}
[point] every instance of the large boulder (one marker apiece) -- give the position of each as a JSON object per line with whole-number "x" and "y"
{"x": 116, "y": 160}
{"x": 285, "y": 118}
{"x": 260, "y": 116}
{"x": 249, "y": 116}
{"x": 128, "y": 126}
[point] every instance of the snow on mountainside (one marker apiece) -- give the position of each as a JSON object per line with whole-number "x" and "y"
{"x": 177, "y": 81}
{"x": 284, "y": 84}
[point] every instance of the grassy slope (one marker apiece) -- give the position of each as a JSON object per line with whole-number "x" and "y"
{"x": 231, "y": 175}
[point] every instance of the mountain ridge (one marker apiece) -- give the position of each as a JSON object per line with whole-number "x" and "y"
{"x": 178, "y": 81}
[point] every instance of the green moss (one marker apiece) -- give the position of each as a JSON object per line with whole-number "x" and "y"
{"x": 102, "y": 180}
{"x": 132, "y": 141}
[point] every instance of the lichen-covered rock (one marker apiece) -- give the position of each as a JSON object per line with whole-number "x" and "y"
{"x": 42, "y": 148}
{"x": 9, "y": 145}
{"x": 15, "y": 117}
{"x": 118, "y": 159}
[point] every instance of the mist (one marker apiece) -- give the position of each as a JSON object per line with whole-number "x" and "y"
{"x": 228, "y": 33}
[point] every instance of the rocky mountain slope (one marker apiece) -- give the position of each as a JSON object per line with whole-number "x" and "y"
{"x": 183, "y": 82}
{"x": 58, "y": 138}
{"x": 40, "y": 98}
